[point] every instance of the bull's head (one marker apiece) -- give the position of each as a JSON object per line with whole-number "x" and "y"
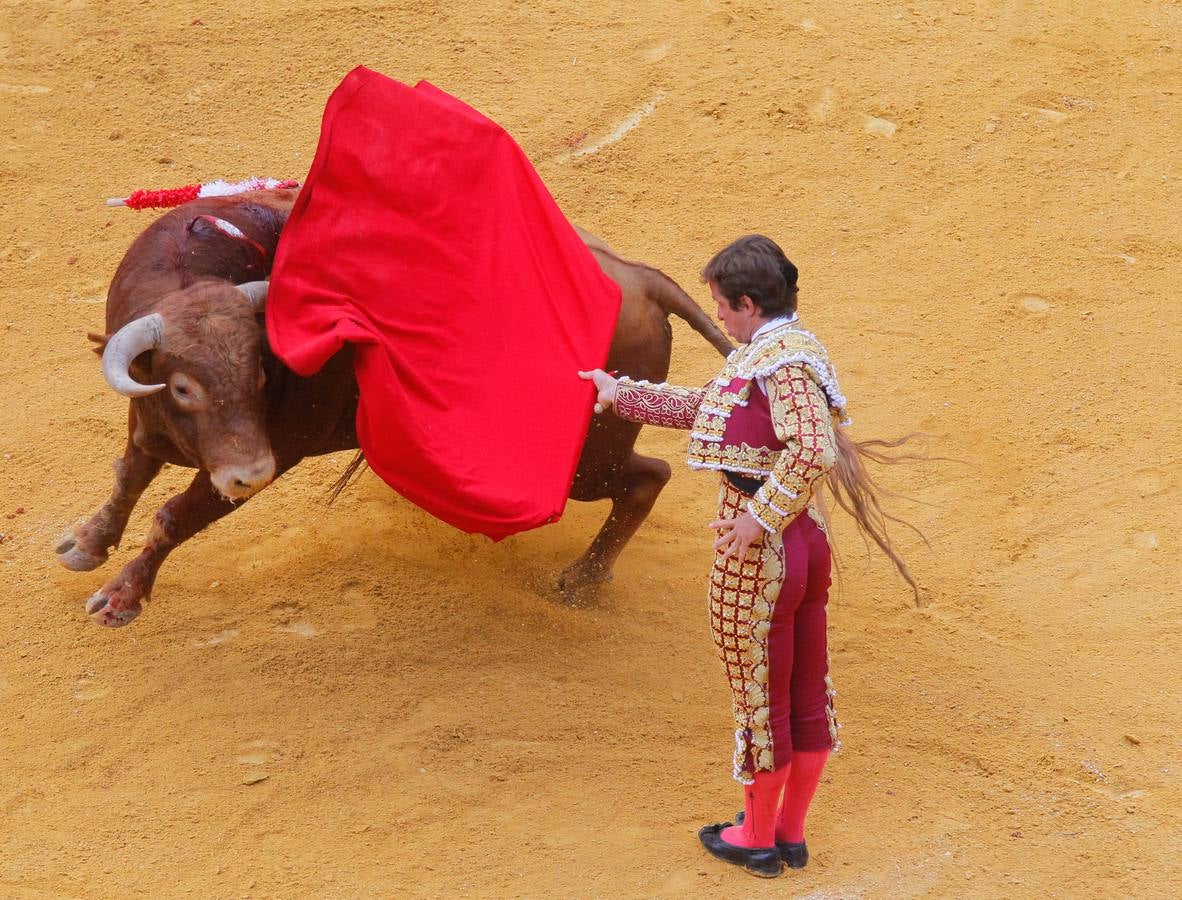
{"x": 201, "y": 382}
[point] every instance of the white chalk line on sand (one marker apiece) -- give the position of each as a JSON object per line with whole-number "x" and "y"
{"x": 23, "y": 88}
{"x": 631, "y": 121}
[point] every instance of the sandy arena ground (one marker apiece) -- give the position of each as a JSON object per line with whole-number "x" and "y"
{"x": 357, "y": 701}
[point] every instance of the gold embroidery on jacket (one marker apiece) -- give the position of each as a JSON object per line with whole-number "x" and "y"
{"x": 761, "y": 358}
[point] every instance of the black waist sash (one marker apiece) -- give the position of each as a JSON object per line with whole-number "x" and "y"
{"x": 745, "y": 483}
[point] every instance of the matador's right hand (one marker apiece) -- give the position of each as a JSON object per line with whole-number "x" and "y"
{"x": 605, "y": 384}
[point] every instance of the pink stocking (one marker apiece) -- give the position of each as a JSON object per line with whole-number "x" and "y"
{"x": 759, "y": 819}
{"x": 802, "y": 784}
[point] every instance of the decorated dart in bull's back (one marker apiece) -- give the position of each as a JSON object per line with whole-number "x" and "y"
{"x": 170, "y": 197}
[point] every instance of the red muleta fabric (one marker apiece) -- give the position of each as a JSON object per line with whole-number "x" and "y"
{"x": 423, "y": 236}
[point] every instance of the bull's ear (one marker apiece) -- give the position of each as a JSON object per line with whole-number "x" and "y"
{"x": 100, "y": 341}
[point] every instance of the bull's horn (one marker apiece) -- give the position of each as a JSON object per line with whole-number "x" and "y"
{"x": 137, "y": 336}
{"x": 256, "y": 293}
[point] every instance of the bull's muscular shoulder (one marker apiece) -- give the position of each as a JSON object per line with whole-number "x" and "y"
{"x": 265, "y": 210}
{"x": 258, "y": 214}
{"x": 183, "y": 247}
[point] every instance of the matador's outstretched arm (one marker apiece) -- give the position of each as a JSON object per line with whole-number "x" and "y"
{"x": 657, "y": 404}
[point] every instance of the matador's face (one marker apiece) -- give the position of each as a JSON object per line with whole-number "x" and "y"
{"x": 739, "y": 323}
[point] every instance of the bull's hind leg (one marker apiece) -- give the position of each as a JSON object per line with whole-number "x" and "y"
{"x": 86, "y": 546}
{"x": 120, "y": 600}
{"x": 633, "y": 492}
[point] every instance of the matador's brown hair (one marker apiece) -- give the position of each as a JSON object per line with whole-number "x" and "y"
{"x": 755, "y": 267}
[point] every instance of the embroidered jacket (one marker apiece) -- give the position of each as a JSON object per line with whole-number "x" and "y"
{"x": 785, "y": 437}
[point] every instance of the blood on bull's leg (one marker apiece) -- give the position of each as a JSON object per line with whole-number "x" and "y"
{"x": 633, "y": 493}
{"x": 87, "y": 546}
{"x": 120, "y": 600}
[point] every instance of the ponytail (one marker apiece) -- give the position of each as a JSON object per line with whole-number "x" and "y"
{"x": 791, "y": 274}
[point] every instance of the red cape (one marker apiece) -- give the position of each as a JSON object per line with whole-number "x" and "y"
{"x": 424, "y": 236}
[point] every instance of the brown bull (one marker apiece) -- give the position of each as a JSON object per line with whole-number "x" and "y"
{"x": 185, "y": 341}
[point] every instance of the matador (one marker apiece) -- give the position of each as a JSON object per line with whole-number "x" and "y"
{"x": 767, "y": 422}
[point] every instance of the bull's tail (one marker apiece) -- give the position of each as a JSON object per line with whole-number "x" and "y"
{"x": 675, "y": 301}
{"x": 855, "y": 490}
{"x": 668, "y": 293}
{"x": 356, "y": 466}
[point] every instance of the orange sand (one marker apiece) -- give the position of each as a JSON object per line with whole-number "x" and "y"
{"x": 357, "y": 701}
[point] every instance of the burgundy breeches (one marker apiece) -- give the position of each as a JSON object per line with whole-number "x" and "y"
{"x": 767, "y": 615}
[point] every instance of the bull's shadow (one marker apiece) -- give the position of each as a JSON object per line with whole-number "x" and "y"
{"x": 301, "y": 561}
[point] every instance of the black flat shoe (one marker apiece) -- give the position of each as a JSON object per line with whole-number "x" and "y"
{"x": 764, "y": 862}
{"x": 795, "y": 856}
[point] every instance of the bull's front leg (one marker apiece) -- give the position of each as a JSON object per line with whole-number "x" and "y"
{"x": 120, "y": 599}
{"x": 87, "y": 546}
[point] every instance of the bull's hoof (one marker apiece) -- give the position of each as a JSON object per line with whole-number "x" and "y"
{"x": 111, "y": 613}
{"x": 580, "y": 582}
{"x": 75, "y": 558}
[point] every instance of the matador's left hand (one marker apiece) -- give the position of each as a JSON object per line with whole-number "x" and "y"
{"x": 735, "y": 536}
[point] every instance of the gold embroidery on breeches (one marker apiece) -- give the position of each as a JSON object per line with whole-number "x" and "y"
{"x": 742, "y": 599}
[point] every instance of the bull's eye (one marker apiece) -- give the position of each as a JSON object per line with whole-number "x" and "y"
{"x": 183, "y": 392}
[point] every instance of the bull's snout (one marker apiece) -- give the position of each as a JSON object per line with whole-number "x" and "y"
{"x": 241, "y": 481}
